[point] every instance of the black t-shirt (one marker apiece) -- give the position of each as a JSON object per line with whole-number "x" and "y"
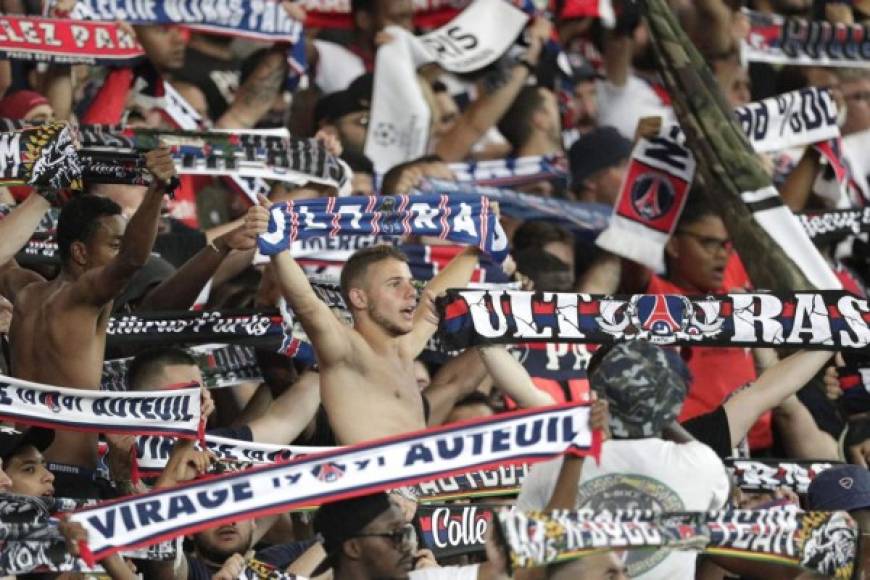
{"x": 712, "y": 429}
{"x": 279, "y": 557}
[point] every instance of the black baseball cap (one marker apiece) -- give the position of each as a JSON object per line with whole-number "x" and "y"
{"x": 843, "y": 487}
{"x": 11, "y": 440}
{"x": 598, "y": 149}
{"x": 355, "y": 98}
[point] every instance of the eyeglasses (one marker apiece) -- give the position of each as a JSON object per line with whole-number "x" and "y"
{"x": 404, "y": 535}
{"x": 710, "y": 245}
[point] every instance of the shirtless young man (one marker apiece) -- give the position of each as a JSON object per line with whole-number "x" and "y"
{"x": 367, "y": 380}
{"x": 58, "y": 332}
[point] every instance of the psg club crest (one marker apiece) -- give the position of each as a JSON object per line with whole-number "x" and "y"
{"x": 660, "y": 318}
{"x": 652, "y": 196}
{"x": 328, "y": 472}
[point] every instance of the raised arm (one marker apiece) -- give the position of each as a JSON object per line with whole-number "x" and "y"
{"x": 100, "y": 285}
{"x": 19, "y": 225}
{"x": 290, "y": 413}
{"x": 775, "y": 384}
{"x": 329, "y": 336}
{"x": 488, "y": 109}
{"x": 181, "y": 289}
{"x": 255, "y": 97}
{"x": 457, "y": 274}
{"x": 455, "y": 380}
{"x": 512, "y": 377}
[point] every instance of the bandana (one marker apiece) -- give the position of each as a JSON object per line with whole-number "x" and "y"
{"x": 824, "y": 542}
{"x": 67, "y": 41}
{"x": 477, "y": 37}
{"x": 264, "y": 21}
{"x": 400, "y": 117}
{"x": 588, "y": 219}
{"x": 828, "y": 320}
{"x": 513, "y": 171}
{"x": 172, "y": 412}
{"x": 775, "y": 39}
{"x": 227, "y": 365}
{"x": 832, "y": 226}
{"x": 253, "y": 327}
{"x": 504, "y": 480}
{"x": 453, "y": 529}
{"x": 771, "y": 474}
{"x": 527, "y": 436}
{"x": 462, "y": 219}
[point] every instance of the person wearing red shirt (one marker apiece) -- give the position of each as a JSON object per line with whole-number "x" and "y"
{"x": 701, "y": 260}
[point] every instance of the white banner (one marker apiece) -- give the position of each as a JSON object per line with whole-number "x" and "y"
{"x": 477, "y": 37}
{"x": 400, "y": 117}
{"x": 789, "y": 120}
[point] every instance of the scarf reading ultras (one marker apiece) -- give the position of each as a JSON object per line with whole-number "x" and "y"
{"x": 524, "y": 437}
{"x": 464, "y": 219}
{"x": 830, "y": 320}
{"x": 824, "y": 542}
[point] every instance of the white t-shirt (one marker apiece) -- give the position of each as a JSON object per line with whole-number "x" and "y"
{"x": 641, "y": 474}
{"x": 446, "y": 573}
{"x": 622, "y": 107}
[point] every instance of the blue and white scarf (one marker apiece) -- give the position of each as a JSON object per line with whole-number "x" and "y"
{"x": 462, "y": 219}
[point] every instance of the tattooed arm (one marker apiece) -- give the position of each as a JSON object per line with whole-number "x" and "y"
{"x": 255, "y": 97}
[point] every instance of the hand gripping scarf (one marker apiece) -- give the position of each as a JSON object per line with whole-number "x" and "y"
{"x": 523, "y": 437}
{"x": 61, "y": 41}
{"x": 463, "y": 219}
{"x": 824, "y": 542}
{"x": 171, "y": 412}
{"x": 828, "y": 320}
{"x": 513, "y": 171}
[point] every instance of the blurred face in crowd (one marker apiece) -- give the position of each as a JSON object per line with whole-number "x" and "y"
{"x": 446, "y": 113}
{"x": 217, "y": 544}
{"x": 29, "y": 474}
{"x": 585, "y": 105}
{"x": 856, "y": 94}
{"x": 381, "y": 556}
{"x": 352, "y": 129}
{"x": 388, "y": 296}
{"x": 5, "y": 482}
{"x": 603, "y": 566}
{"x": 698, "y": 253}
{"x": 603, "y": 186}
{"x": 164, "y": 46}
{"x": 362, "y": 183}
